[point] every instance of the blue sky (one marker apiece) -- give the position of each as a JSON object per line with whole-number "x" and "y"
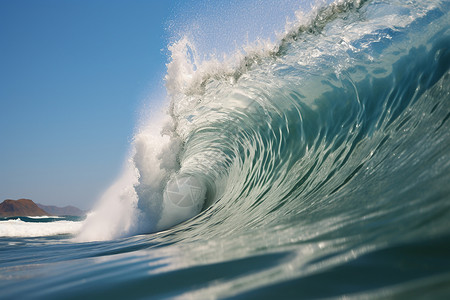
{"x": 75, "y": 75}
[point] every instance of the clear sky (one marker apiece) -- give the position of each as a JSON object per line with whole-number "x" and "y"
{"x": 75, "y": 75}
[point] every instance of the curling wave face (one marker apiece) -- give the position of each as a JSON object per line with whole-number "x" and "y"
{"x": 343, "y": 121}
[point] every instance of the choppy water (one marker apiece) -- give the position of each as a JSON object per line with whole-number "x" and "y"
{"x": 323, "y": 163}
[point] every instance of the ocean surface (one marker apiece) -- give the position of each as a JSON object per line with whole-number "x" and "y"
{"x": 314, "y": 166}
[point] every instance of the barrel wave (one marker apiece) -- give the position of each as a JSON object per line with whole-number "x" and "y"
{"x": 341, "y": 113}
{"x": 323, "y": 158}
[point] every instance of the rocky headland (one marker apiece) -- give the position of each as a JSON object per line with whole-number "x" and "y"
{"x": 27, "y": 208}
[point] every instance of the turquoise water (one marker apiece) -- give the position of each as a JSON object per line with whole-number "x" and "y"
{"x": 326, "y": 165}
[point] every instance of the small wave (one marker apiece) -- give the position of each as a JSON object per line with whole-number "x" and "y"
{"x": 19, "y": 228}
{"x": 45, "y": 217}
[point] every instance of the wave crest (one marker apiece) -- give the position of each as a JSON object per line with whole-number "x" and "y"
{"x": 276, "y": 122}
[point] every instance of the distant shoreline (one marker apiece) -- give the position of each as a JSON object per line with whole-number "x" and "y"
{"x": 28, "y": 208}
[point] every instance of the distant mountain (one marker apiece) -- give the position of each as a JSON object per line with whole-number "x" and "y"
{"x": 26, "y": 207}
{"x": 62, "y": 211}
{"x": 21, "y": 207}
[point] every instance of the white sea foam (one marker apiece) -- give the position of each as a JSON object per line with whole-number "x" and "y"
{"x": 19, "y": 228}
{"x": 44, "y": 217}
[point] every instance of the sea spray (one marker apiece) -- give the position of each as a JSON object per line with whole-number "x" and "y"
{"x": 115, "y": 213}
{"x": 135, "y": 203}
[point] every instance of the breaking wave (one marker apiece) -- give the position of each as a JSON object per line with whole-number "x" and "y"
{"x": 344, "y": 119}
